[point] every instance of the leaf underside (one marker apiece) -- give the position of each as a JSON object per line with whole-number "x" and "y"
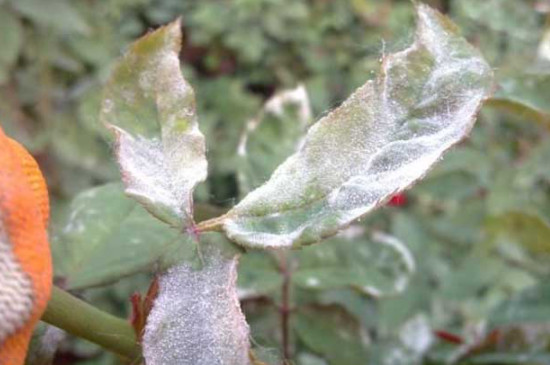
{"x": 380, "y": 141}
{"x": 151, "y": 109}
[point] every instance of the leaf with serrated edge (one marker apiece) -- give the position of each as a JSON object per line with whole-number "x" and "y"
{"x": 151, "y": 109}
{"x": 378, "y": 142}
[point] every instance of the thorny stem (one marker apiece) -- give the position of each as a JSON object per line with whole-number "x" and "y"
{"x": 86, "y": 321}
{"x": 285, "y": 307}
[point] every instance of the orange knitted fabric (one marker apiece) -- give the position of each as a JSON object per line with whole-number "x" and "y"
{"x": 25, "y": 260}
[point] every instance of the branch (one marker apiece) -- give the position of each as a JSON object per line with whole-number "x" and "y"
{"x": 86, "y": 321}
{"x": 285, "y": 307}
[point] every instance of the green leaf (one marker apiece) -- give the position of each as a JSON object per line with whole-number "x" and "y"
{"x": 11, "y": 39}
{"x": 494, "y": 23}
{"x": 379, "y": 266}
{"x": 524, "y": 229}
{"x": 196, "y": 318}
{"x": 458, "y": 285}
{"x": 258, "y": 275}
{"x": 108, "y": 236}
{"x": 151, "y": 109}
{"x": 524, "y": 95}
{"x": 378, "y": 142}
{"x": 57, "y": 14}
{"x": 530, "y": 306}
{"x": 333, "y": 334}
{"x": 515, "y": 18}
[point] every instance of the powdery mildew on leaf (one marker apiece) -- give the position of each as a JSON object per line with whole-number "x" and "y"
{"x": 151, "y": 109}
{"x": 196, "y": 318}
{"x": 402, "y": 281}
{"x": 379, "y": 266}
{"x": 284, "y": 118}
{"x": 377, "y": 143}
{"x": 276, "y": 106}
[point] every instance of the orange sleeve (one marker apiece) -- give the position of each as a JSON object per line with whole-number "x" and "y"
{"x": 25, "y": 260}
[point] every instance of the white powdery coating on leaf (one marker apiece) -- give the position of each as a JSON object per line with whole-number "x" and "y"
{"x": 297, "y": 96}
{"x": 151, "y": 109}
{"x": 380, "y": 141}
{"x": 417, "y": 335}
{"x": 276, "y": 105}
{"x": 196, "y": 318}
{"x": 402, "y": 281}
{"x": 16, "y": 291}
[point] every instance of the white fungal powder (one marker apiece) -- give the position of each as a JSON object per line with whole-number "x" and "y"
{"x": 196, "y": 319}
{"x": 381, "y": 140}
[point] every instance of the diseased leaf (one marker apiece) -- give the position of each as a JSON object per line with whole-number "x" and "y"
{"x": 416, "y": 336}
{"x": 409, "y": 346}
{"x": 196, "y": 318}
{"x": 379, "y": 266}
{"x": 283, "y": 118}
{"x": 151, "y": 109}
{"x": 543, "y": 51}
{"x": 378, "y": 142}
{"x": 108, "y": 236}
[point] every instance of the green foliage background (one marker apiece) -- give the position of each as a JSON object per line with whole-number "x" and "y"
{"x": 477, "y": 227}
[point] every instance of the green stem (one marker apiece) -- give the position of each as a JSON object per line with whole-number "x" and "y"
{"x": 83, "y": 320}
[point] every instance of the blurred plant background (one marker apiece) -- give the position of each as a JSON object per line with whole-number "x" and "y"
{"x": 453, "y": 272}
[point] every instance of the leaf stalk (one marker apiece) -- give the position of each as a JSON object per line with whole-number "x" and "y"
{"x": 211, "y": 225}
